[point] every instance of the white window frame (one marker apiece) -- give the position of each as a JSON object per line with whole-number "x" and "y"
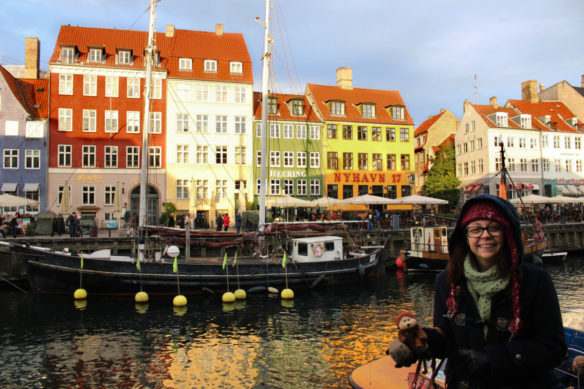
{"x": 301, "y": 187}
{"x": 110, "y": 157}
{"x": 65, "y": 154}
{"x": 314, "y": 187}
{"x": 133, "y": 122}
{"x": 95, "y": 55}
{"x": 89, "y": 120}
{"x": 202, "y": 123}
{"x": 221, "y": 124}
{"x": 274, "y": 159}
{"x": 112, "y": 86}
{"x": 315, "y": 132}
{"x": 89, "y": 85}
{"x": 124, "y": 57}
{"x": 220, "y": 189}
{"x": 182, "y": 189}
{"x": 288, "y": 158}
{"x": 221, "y": 155}
{"x": 156, "y": 89}
{"x": 202, "y": 155}
{"x": 288, "y": 131}
{"x": 67, "y": 55}
{"x": 185, "y": 64}
{"x": 133, "y": 157}
{"x": 32, "y": 159}
{"x": 288, "y": 186}
{"x": 11, "y": 158}
{"x": 155, "y": 156}
{"x": 182, "y": 122}
{"x": 235, "y": 67}
{"x": 301, "y": 131}
{"x": 88, "y": 156}
{"x": 274, "y": 130}
{"x": 109, "y": 192}
{"x": 210, "y": 66}
{"x": 239, "y": 94}
{"x": 240, "y": 124}
{"x": 111, "y": 122}
{"x": 182, "y": 154}
{"x": 202, "y": 189}
{"x": 155, "y": 123}
{"x": 88, "y": 195}
{"x": 240, "y": 155}
{"x": 65, "y": 84}
{"x": 314, "y": 159}
{"x": 221, "y": 93}
{"x": 133, "y": 87}
{"x": 301, "y": 159}
{"x": 66, "y": 119}
{"x": 275, "y": 187}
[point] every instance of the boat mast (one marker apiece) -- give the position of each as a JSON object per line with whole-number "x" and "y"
{"x": 146, "y": 128}
{"x": 265, "y": 77}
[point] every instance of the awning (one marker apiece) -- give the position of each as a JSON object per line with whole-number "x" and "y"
{"x": 468, "y": 188}
{"x": 477, "y": 187}
{"x": 581, "y": 189}
{"x": 31, "y": 187}
{"x": 528, "y": 186}
{"x": 561, "y": 188}
{"x": 6, "y": 187}
{"x": 518, "y": 186}
{"x": 572, "y": 190}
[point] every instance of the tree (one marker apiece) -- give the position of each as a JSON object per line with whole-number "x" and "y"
{"x": 441, "y": 181}
{"x": 168, "y": 209}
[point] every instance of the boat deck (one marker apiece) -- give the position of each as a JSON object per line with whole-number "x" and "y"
{"x": 380, "y": 374}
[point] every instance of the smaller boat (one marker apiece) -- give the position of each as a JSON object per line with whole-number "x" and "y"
{"x": 554, "y": 257}
{"x": 428, "y": 248}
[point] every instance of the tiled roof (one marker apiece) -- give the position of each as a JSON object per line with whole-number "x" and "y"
{"x": 32, "y": 94}
{"x": 428, "y": 123}
{"x": 353, "y": 97}
{"x": 557, "y": 111}
{"x": 196, "y": 45}
{"x": 486, "y": 110}
{"x": 284, "y": 113}
{"x": 448, "y": 140}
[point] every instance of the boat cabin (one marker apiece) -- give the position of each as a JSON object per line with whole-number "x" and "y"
{"x": 317, "y": 249}
{"x": 428, "y": 240}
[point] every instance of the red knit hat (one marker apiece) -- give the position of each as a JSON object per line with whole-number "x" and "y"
{"x": 402, "y": 314}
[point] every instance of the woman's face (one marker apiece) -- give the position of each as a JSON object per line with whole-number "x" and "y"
{"x": 486, "y": 240}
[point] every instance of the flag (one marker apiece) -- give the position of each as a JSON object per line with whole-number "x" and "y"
{"x": 503, "y": 187}
{"x": 81, "y": 255}
{"x": 284, "y": 260}
{"x": 224, "y": 261}
{"x": 138, "y": 264}
{"x": 175, "y": 265}
{"x": 235, "y": 259}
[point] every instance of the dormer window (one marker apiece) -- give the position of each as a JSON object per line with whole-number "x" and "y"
{"x": 210, "y": 66}
{"x": 337, "y": 107}
{"x": 397, "y": 112}
{"x": 272, "y": 105}
{"x": 185, "y": 64}
{"x": 547, "y": 119}
{"x": 95, "y": 55}
{"x": 525, "y": 121}
{"x": 67, "y": 55}
{"x": 573, "y": 121}
{"x": 501, "y": 119}
{"x": 368, "y": 110}
{"x": 236, "y": 67}
{"x": 124, "y": 57}
{"x": 297, "y": 107}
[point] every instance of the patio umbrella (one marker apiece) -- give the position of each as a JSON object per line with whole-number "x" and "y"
{"x": 241, "y": 202}
{"x": 118, "y": 201}
{"x": 421, "y": 200}
{"x": 288, "y": 201}
{"x": 66, "y": 199}
{"x": 532, "y": 199}
{"x": 368, "y": 199}
{"x": 567, "y": 200}
{"x": 328, "y": 202}
{"x": 8, "y": 200}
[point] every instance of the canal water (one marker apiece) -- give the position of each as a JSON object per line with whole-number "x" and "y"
{"x": 313, "y": 342}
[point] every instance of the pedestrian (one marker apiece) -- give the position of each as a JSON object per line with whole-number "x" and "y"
{"x": 238, "y": 222}
{"x": 54, "y": 226}
{"x": 171, "y": 220}
{"x": 369, "y": 221}
{"x": 73, "y": 224}
{"x": 496, "y": 318}
{"x": 219, "y": 222}
{"x": 226, "y": 221}
{"x": 181, "y": 222}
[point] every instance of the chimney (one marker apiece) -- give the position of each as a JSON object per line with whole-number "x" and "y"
{"x": 493, "y": 102}
{"x": 529, "y": 91}
{"x": 345, "y": 78}
{"x": 170, "y": 30}
{"x": 465, "y": 106}
{"x": 582, "y": 81}
{"x": 442, "y": 110}
{"x": 31, "y": 57}
{"x": 219, "y": 29}
{"x": 541, "y": 87}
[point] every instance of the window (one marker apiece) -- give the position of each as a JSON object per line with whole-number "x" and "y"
{"x": 465, "y": 169}
{"x": 259, "y": 130}
{"x": 240, "y": 186}
{"x": 511, "y": 163}
{"x": 579, "y": 166}
{"x": 301, "y": 187}
{"x": 89, "y": 85}
{"x": 288, "y": 159}
{"x": 132, "y": 157}
{"x": 220, "y": 189}
{"x": 154, "y": 157}
{"x": 182, "y": 189}
{"x": 235, "y": 67}
{"x": 111, "y": 86}
{"x": 535, "y": 165}
{"x": 376, "y": 133}
{"x": 10, "y": 158}
{"x": 109, "y": 192}
{"x": 314, "y": 187}
{"x": 240, "y": 155}
{"x": 481, "y": 166}
{"x": 567, "y": 142}
{"x": 501, "y": 119}
{"x": 521, "y": 143}
{"x": 314, "y": 160}
{"x": 568, "y": 165}
{"x": 510, "y": 141}
{"x": 65, "y": 84}
{"x": 182, "y": 154}
{"x": 274, "y": 158}
{"x": 331, "y": 131}
{"x": 156, "y": 89}
{"x": 368, "y": 110}
{"x": 221, "y": 124}
{"x": 391, "y": 162}
{"x": 390, "y": 134}
{"x": 210, "y": 66}
{"x": 533, "y": 143}
{"x": 288, "y": 131}
{"x": 406, "y": 190}
{"x": 545, "y": 165}
{"x": 202, "y": 123}
{"x": 89, "y": 120}
{"x": 466, "y": 128}
{"x": 288, "y": 187}
{"x": 347, "y": 191}
{"x": 67, "y": 55}
{"x": 202, "y": 189}
{"x": 111, "y": 121}
{"x": 525, "y": 121}
{"x": 133, "y": 122}
{"x": 221, "y": 155}
{"x": 65, "y": 119}
{"x": 523, "y": 164}
{"x": 272, "y": 105}
{"x": 556, "y": 141}
{"x": 95, "y": 55}
{"x": 332, "y": 161}
{"x": 391, "y": 191}
{"x": 155, "y": 123}
{"x": 133, "y": 87}
{"x": 240, "y": 94}
{"x": 275, "y": 187}
{"x": 558, "y": 165}
{"x": 202, "y": 92}
{"x": 472, "y": 145}
{"x": 34, "y": 129}
{"x": 64, "y": 155}
{"x": 240, "y": 125}
{"x": 301, "y": 159}
{"x": 480, "y": 143}
{"x": 315, "y": 132}
{"x": 301, "y": 131}
{"x": 202, "y": 155}
{"x": 88, "y": 156}
{"x": 124, "y": 57}
{"x": 258, "y": 158}
{"x": 405, "y": 162}
{"x": 577, "y": 143}
{"x": 348, "y": 161}
{"x": 362, "y": 132}
{"x": 377, "y": 162}
{"x": 183, "y": 91}
{"x": 404, "y": 135}
{"x": 88, "y": 195}
{"x": 473, "y": 167}
{"x": 544, "y": 141}
{"x": 111, "y": 157}
{"x": 347, "y": 132}
{"x": 274, "y": 130}
{"x": 397, "y": 113}
{"x": 362, "y": 161}
{"x": 221, "y": 93}
{"x": 297, "y": 107}
{"x": 185, "y": 64}
{"x": 337, "y": 108}
{"x": 32, "y": 159}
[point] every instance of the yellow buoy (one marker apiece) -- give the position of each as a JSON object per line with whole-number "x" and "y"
{"x": 240, "y": 294}
{"x": 80, "y": 294}
{"x": 141, "y": 308}
{"x": 141, "y": 297}
{"x": 228, "y": 297}
{"x": 80, "y": 304}
{"x": 287, "y": 294}
{"x": 179, "y": 301}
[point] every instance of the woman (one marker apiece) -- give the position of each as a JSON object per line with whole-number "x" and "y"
{"x": 497, "y": 318}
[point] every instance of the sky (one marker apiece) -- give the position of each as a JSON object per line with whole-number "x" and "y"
{"x": 436, "y": 53}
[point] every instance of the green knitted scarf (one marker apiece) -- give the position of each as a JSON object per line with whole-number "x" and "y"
{"x": 483, "y": 286}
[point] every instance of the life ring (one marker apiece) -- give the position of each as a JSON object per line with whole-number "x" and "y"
{"x": 318, "y": 249}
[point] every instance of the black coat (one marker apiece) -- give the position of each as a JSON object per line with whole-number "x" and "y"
{"x": 526, "y": 361}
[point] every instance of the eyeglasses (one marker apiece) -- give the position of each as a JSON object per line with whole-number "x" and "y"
{"x": 477, "y": 231}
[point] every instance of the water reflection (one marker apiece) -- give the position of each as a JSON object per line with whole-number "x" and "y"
{"x": 313, "y": 341}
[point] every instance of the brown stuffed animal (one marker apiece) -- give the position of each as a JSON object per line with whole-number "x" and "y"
{"x": 401, "y": 354}
{"x": 412, "y": 335}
